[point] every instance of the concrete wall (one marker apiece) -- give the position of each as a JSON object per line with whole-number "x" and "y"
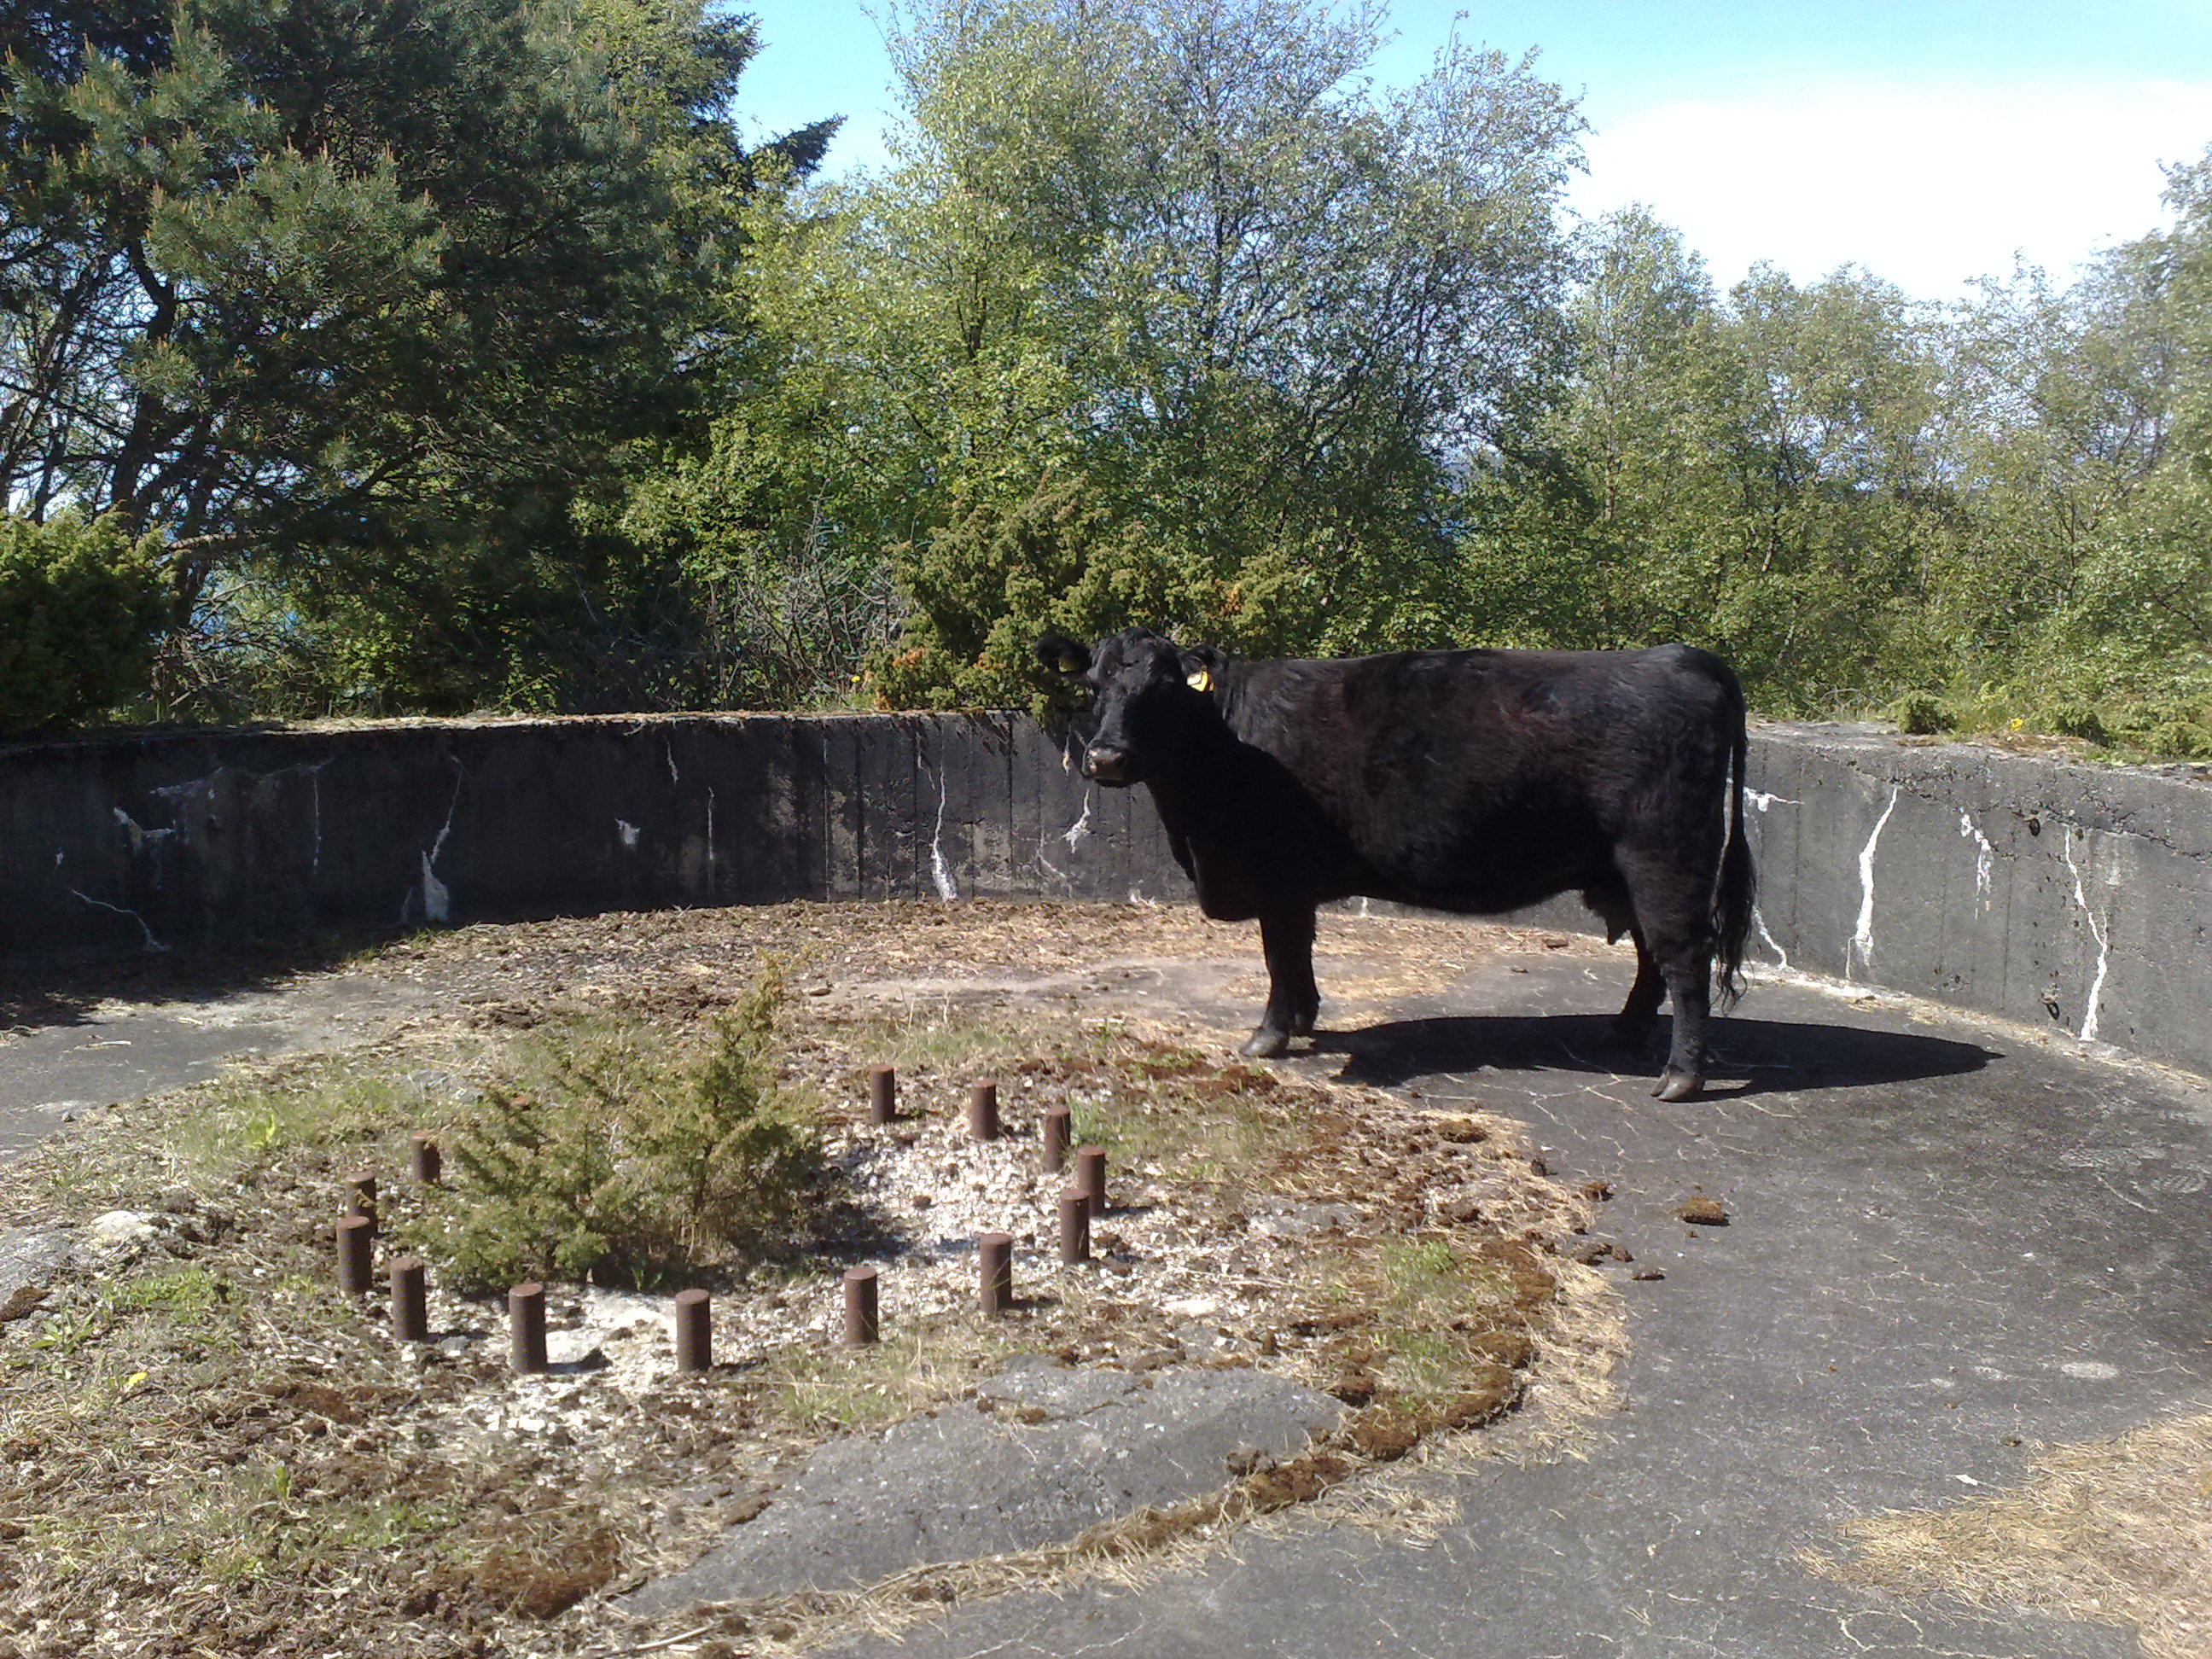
{"x": 210, "y": 839}
{"x": 2077, "y": 897}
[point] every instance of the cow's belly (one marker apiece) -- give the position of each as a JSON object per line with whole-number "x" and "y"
{"x": 1487, "y": 896}
{"x": 1229, "y": 894}
{"x": 1252, "y": 868}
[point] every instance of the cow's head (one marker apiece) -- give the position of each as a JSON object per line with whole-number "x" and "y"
{"x": 1149, "y": 696}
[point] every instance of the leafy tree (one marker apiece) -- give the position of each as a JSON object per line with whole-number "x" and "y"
{"x": 1756, "y": 474}
{"x": 2130, "y": 646}
{"x": 1158, "y": 294}
{"x": 351, "y": 303}
{"x": 80, "y": 609}
{"x": 1594, "y": 530}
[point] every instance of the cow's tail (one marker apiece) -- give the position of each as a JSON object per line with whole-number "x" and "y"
{"x": 1737, "y": 888}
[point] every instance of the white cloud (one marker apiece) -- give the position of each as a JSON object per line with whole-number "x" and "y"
{"x": 1927, "y": 184}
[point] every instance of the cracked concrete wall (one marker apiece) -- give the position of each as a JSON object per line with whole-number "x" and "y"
{"x": 209, "y": 839}
{"x": 2070, "y": 896}
{"x": 2078, "y": 897}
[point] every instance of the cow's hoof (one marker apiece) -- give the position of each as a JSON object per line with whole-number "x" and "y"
{"x": 1678, "y": 1085}
{"x": 1264, "y": 1044}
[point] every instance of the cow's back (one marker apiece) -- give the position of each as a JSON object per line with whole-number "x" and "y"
{"x": 1484, "y": 780}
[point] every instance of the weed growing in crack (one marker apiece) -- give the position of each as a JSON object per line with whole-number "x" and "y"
{"x": 837, "y": 1391}
{"x": 251, "y": 1118}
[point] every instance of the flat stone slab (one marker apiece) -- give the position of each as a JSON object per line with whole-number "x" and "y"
{"x": 30, "y": 1258}
{"x": 1041, "y": 1453}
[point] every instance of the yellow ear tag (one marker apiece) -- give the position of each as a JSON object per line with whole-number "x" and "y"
{"x": 1200, "y": 679}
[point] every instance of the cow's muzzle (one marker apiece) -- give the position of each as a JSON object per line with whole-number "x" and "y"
{"x": 1104, "y": 764}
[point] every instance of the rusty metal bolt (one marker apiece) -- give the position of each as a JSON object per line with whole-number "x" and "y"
{"x": 1091, "y": 1176}
{"x": 1056, "y": 1139}
{"x": 429, "y": 1163}
{"x": 883, "y": 1095}
{"x": 994, "y": 1257}
{"x": 861, "y": 1325}
{"x": 983, "y": 1109}
{"x": 526, "y": 1328}
{"x": 1074, "y": 1227}
{"x": 410, "y": 1301}
{"x": 694, "y": 1331}
{"x": 355, "y": 1234}
{"x": 360, "y": 1199}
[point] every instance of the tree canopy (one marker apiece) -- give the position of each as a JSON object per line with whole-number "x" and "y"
{"x": 443, "y": 355}
{"x": 349, "y": 300}
{"x": 1171, "y": 278}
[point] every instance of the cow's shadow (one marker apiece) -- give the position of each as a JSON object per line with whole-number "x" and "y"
{"x": 1749, "y": 1056}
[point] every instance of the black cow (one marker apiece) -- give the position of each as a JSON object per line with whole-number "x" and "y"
{"x": 1476, "y": 782}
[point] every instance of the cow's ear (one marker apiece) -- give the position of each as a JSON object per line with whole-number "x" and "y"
{"x": 1061, "y": 655}
{"x": 1202, "y": 667}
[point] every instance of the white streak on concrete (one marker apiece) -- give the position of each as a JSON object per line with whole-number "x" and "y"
{"x": 138, "y": 835}
{"x": 627, "y": 831}
{"x": 451, "y": 808}
{"x": 710, "y": 829}
{"x": 940, "y": 873}
{"x": 437, "y": 900}
{"x": 152, "y": 944}
{"x": 199, "y": 792}
{"x": 2102, "y": 936}
{"x": 1781, "y": 955}
{"x": 1046, "y": 864}
{"x": 669, "y": 750}
{"x": 1077, "y": 831}
{"x": 1761, "y": 802}
{"x": 182, "y": 797}
{"x": 1861, "y": 952}
{"x": 1983, "y": 853}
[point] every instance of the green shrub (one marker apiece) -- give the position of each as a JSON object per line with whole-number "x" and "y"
{"x": 2080, "y": 719}
{"x": 1919, "y": 715}
{"x": 79, "y": 611}
{"x": 613, "y": 1156}
{"x": 986, "y": 585}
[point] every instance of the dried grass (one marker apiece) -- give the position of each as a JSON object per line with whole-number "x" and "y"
{"x": 313, "y": 1514}
{"x": 2117, "y": 1531}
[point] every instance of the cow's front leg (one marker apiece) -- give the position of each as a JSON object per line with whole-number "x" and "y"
{"x": 1293, "y": 999}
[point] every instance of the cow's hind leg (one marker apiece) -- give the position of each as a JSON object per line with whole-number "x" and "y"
{"x": 1675, "y": 936}
{"x": 1689, "y": 987}
{"x": 1293, "y": 999}
{"x": 1641, "y": 1012}
{"x": 1610, "y": 902}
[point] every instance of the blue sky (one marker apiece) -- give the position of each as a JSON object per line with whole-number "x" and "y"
{"x": 1927, "y": 142}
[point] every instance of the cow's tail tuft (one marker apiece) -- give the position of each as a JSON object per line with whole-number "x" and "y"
{"x": 1737, "y": 889}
